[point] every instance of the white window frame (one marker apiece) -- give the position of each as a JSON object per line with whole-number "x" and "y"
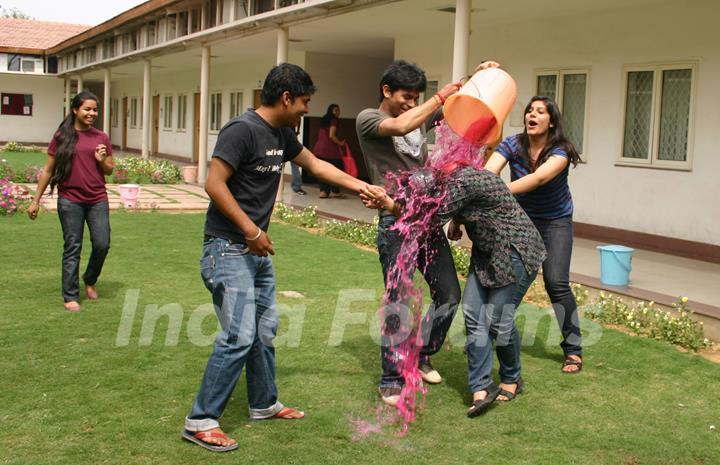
{"x": 237, "y": 103}
{"x": 215, "y": 112}
{"x": 559, "y": 74}
{"x": 182, "y": 113}
{"x": 654, "y": 144}
{"x": 168, "y": 111}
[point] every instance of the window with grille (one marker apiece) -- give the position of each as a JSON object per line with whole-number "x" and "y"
{"x": 168, "y": 112}
{"x": 182, "y": 109}
{"x": 236, "y": 101}
{"x": 568, "y": 88}
{"x": 133, "y": 112}
{"x": 658, "y": 115}
{"x": 215, "y": 111}
{"x": 114, "y": 112}
{"x": 171, "y": 26}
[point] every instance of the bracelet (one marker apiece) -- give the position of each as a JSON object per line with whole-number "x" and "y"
{"x": 260, "y": 231}
{"x": 440, "y": 97}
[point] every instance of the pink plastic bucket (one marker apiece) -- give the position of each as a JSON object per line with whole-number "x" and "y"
{"x": 477, "y": 111}
{"x": 129, "y": 194}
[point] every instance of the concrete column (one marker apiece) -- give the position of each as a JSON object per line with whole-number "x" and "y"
{"x": 80, "y": 83}
{"x": 106, "y": 103}
{"x": 462, "y": 39}
{"x": 283, "y": 37}
{"x": 204, "y": 104}
{"x": 146, "y": 123}
{"x": 68, "y": 85}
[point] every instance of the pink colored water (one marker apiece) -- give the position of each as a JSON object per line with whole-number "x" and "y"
{"x": 421, "y": 194}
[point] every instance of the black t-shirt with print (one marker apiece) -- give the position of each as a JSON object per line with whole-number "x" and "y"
{"x": 255, "y": 150}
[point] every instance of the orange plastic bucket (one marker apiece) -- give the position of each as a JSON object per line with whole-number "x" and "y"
{"x": 477, "y": 111}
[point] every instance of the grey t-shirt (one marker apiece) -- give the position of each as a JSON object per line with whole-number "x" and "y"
{"x": 384, "y": 154}
{"x": 255, "y": 150}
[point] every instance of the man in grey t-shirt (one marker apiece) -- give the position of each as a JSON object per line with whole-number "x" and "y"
{"x": 392, "y": 138}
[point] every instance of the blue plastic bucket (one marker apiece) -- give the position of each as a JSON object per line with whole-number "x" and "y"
{"x": 615, "y": 264}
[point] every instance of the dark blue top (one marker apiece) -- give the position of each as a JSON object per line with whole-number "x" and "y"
{"x": 547, "y": 202}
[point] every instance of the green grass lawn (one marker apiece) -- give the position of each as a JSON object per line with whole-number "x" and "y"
{"x": 72, "y": 395}
{"x": 19, "y": 160}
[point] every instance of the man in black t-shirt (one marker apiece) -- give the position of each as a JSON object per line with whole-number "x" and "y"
{"x": 242, "y": 183}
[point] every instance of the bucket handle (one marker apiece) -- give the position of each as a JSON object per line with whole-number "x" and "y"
{"x": 620, "y": 262}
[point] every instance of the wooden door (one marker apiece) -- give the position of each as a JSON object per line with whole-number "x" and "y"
{"x": 156, "y": 124}
{"x": 124, "y": 122}
{"x": 196, "y": 128}
{"x": 256, "y": 98}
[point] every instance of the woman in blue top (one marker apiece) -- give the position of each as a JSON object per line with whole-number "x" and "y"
{"x": 540, "y": 159}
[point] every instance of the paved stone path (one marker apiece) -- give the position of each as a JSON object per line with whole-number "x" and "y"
{"x": 160, "y": 197}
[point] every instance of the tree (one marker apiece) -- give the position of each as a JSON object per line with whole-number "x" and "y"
{"x": 13, "y": 13}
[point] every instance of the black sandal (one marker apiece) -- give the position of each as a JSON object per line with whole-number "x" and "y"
{"x": 481, "y": 406}
{"x": 511, "y": 395}
{"x": 572, "y": 362}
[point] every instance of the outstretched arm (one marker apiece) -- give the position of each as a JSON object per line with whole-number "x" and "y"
{"x": 416, "y": 116}
{"x": 543, "y": 175}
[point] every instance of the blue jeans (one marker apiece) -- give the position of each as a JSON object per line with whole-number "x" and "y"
{"x": 442, "y": 279}
{"x": 73, "y": 217}
{"x": 557, "y": 235}
{"x": 296, "y": 177}
{"x": 243, "y": 292}
{"x": 490, "y": 315}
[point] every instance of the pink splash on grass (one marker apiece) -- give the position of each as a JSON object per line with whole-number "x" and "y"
{"x": 421, "y": 195}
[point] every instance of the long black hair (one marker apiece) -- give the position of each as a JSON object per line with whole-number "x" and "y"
{"x": 66, "y": 138}
{"x": 327, "y": 118}
{"x": 556, "y": 136}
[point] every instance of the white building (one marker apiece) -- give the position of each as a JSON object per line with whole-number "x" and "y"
{"x": 635, "y": 80}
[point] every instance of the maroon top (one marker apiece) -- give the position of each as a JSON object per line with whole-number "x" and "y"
{"x": 86, "y": 183}
{"x": 325, "y": 147}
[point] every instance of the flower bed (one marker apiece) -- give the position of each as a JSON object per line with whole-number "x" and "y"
{"x": 137, "y": 170}
{"x": 13, "y": 198}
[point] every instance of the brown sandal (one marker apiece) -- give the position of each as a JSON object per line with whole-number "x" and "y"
{"x": 571, "y": 362}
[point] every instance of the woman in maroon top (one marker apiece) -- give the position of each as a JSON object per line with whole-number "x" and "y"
{"x": 328, "y": 147}
{"x": 79, "y": 157}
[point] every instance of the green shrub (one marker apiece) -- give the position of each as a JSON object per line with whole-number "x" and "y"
{"x": 18, "y": 147}
{"x": 306, "y": 218}
{"x": 6, "y": 171}
{"x": 29, "y": 173}
{"x": 354, "y": 231}
{"x": 461, "y": 257}
{"x": 646, "y": 320}
{"x": 137, "y": 170}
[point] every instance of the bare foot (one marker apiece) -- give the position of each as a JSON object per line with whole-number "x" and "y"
{"x": 220, "y": 439}
{"x": 91, "y": 292}
{"x": 72, "y": 306}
